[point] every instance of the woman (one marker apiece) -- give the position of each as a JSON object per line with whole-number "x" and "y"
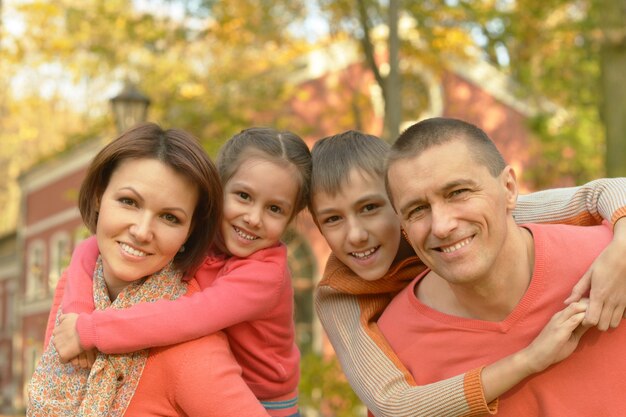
{"x": 154, "y": 201}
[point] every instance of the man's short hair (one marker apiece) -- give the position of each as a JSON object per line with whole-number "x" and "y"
{"x": 440, "y": 130}
{"x": 335, "y": 156}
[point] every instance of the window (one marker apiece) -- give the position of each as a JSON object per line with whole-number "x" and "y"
{"x": 302, "y": 266}
{"x": 60, "y": 253}
{"x": 35, "y": 283}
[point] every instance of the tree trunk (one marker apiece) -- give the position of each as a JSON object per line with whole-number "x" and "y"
{"x": 613, "y": 64}
{"x": 393, "y": 99}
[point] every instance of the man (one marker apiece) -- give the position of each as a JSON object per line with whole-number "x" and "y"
{"x": 492, "y": 285}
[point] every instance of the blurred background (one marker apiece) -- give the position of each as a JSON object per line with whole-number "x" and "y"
{"x": 545, "y": 78}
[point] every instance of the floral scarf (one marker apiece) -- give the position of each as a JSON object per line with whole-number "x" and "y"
{"x": 61, "y": 390}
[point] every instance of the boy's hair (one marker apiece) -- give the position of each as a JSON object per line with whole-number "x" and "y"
{"x": 440, "y": 130}
{"x": 335, "y": 156}
{"x": 283, "y": 148}
{"x": 180, "y": 151}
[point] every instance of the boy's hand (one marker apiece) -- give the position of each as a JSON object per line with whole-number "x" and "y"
{"x": 558, "y": 339}
{"x": 605, "y": 282}
{"x": 65, "y": 337}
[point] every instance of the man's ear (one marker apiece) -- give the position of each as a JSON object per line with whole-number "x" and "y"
{"x": 509, "y": 181}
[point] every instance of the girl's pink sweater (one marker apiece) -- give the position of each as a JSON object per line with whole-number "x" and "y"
{"x": 250, "y": 298}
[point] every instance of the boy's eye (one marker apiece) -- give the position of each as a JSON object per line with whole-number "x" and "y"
{"x": 370, "y": 207}
{"x": 331, "y": 219}
{"x": 275, "y": 209}
{"x": 171, "y": 218}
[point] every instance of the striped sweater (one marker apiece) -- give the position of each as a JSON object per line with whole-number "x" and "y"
{"x": 348, "y": 308}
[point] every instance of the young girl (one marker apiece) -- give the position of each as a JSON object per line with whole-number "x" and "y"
{"x": 245, "y": 280}
{"x": 151, "y": 191}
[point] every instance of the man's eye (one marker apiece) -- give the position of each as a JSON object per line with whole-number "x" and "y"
{"x": 416, "y": 212}
{"x": 459, "y": 192}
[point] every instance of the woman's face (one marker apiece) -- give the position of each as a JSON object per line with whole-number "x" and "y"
{"x": 144, "y": 218}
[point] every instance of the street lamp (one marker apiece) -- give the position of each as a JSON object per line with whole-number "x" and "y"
{"x": 130, "y": 107}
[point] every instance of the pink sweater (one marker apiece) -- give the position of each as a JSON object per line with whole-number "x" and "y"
{"x": 196, "y": 378}
{"x": 591, "y": 382}
{"x": 250, "y": 298}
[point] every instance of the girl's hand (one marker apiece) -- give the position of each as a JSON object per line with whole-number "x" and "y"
{"x": 85, "y": 359}
{"x": 65, "y": 337}
{"x": 558, "y": 339}
{"x": 605, "y": 282}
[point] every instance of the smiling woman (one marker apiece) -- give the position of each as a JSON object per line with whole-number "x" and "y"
{"x": 146, "y": 195}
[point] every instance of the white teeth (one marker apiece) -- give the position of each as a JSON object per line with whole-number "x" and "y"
{"x": 244, "y": 234}
{"x": 132, "y": 251}
{"x": 362, "y": 255}
{"x": 455, "y": 247}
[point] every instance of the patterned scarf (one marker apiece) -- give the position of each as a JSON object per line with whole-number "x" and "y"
{"x": 61, "y": 390}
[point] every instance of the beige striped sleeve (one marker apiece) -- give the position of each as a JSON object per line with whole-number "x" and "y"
{"x": 589, "y": 204}
{"x": 375, "y": 372}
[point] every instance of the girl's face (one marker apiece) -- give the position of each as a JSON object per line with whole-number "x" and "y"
{"x": 259, "y": 200}
{"x": 145, "y": 217}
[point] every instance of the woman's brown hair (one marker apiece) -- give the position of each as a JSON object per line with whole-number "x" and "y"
{"x": 183, "y": 153}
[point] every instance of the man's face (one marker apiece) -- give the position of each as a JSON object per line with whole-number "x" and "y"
{"x": 360, "y": 225}
{"x": 453, "y": 210}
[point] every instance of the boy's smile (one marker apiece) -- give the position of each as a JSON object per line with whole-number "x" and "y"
{"x": 359, "y": 224}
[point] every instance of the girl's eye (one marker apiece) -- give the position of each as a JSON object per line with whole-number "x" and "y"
{"x": 275, "y": 209}
{"x": 171, "y": 218}
{"x": 243, "y": 195}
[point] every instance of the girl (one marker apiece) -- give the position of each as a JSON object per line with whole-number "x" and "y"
{"x": 176, "y": 201}
{"x": 245, "y": 281}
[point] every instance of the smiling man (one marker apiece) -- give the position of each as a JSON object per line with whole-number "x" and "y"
{"x": 491, "y": 285}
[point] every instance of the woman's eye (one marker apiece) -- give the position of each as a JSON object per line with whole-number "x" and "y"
{"x": 171, "y": 218}
{"x": 127, "y": 201}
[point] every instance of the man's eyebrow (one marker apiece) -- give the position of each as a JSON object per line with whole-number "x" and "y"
{"x": 457, "y": 183}
{"x": 463, "y": 182}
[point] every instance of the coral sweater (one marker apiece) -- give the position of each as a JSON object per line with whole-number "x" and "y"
{"x": 349, "y": 308}
{"x": 590, "y": 382}
{"x": 251, "y": 299}
{"x": 199, "y": 378}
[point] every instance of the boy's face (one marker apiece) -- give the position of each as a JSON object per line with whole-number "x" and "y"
{"x": 359, "y": 224}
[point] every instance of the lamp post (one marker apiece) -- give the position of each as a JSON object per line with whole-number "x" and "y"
{"x": 130, "y": 107}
